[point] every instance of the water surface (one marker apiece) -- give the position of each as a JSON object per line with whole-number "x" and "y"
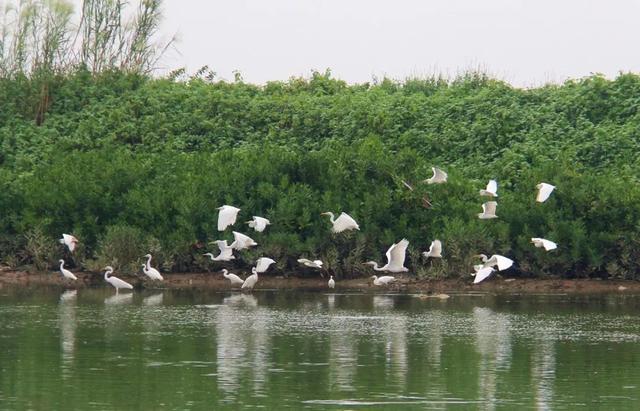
{"x": 91, "y": 349}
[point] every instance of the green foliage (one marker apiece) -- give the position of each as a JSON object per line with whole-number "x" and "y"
{"x": 131, "y": 164}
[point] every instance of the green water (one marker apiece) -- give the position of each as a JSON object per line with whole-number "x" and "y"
{"x": 298, "y": 350}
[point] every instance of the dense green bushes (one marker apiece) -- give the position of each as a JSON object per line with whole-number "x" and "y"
{"x": 122, "y": 159}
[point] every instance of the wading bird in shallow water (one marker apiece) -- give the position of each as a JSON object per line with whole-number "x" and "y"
{"x": 435, "y": 251}
{"x": 488, "y": 210}
{"x": 331, "y": 283}
{"x": 227, "y": 216}
{"x": 344, "y": 222}
{"x": 259, "y": 223}
{"x": 235, "y": 280}
{"x": 491, "y": 190}
{"x": 115, "y": 281}
{"x": 226, "y": 251}
{"x": 70, "y": 241}
{"x": 544, "y": 191}
{"x": 149, "y": 271}
{"x": 438, "y": 177}
{"x": 241, "y": 241}
{"x": 68, "y": 275}
{"x": 251, "y": 281}
{"x": 310, "y": 264}
{"x": 395, "y": 258}
{"x": 548, "y": 245}
{"x": 384, "y": 280}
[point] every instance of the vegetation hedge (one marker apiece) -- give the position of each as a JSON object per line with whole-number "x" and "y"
{"x": 132, "y": 164}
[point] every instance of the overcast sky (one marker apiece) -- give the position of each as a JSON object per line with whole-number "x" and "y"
{"x": 525, "y": 42}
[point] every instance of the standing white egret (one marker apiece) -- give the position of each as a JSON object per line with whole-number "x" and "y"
{"x": 395, "y": 258}
{"x": 342, "y": 223}
{"x": 226, "y": 251}
{"x": 435, "y": 251}
{"x": 491, "y": 190}
{"x": 384, "y": 280}
{"x": 331, "y": 283}
{"x": 70, "y": 241}
{"x": 482, "y": 273}
{"x": 241, "y": 241}
{"x": 115, "y": 281}
{"x": 227, "y": 216}
{"x": 438, "y": 176}
{"x": 488, "y": 210}
{"x": 235, "y": 280}
{"x": 259, "y": 223}
{"x": 548, "y": 245}
{"x": 66, "y": 273}
{"x": 263, "y": 263}
{"x": 496, "y": 260}
{"x": 149, "y": 271}
{"x": 310, "y": 264}
{"x": 251, "y": 281}
{"x": 544, "y": 191}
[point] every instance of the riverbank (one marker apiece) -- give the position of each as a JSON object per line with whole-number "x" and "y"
{"x": 404, "y": 283}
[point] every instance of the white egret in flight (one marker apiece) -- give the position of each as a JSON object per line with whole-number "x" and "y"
{"x": 331, "y": 283}
{"x": 235, "y": 280}
{"x": 242, "y": 241}
{"x": 115, "y": 281}
{"x": 151, "y": 272}
{"x": 384, "y": 280}
{"x": 227, "y": 216}
{"x": 438, "y": 176}
{"x": 66, "y": 273}
{"x": 395, "y": 258}
{"x": 544, "y": 191}
{"x": 491, "y": 190}
{"x": 488, "y": 210}
{"x": 263, "y": 263}
{"x": 70, "y": 241}
{"x": 435, "y": 251}
{"x": 548, "y": 245}
{"x": 342, "y": 223}
{"x": 496, "y": 260}
{"x": 309, "y": 263}
{"x": 226, "y": 251}
{"x": 259, "y": 223}
{"x": 251, "y": 281}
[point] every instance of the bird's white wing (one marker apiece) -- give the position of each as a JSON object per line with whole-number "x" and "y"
{"x": 501, "y": 261}
{"x": 386, "y": 279}
{"x": 436, "y": 248}
{"x": 544, "y": 191}
{"x": 318, "y": 262}
{"x": 492, "y": 187}
{"x": 397, "y": 253}
{"x": 235, "y": 279}
{"x": 547, "y": 244}
{"x": 263, "y": 264}
{"x": 242, "y": 241}
{"x": 344, "y": 222}
{"x": 482, "y": 274}
{"x": 118, "y": 283}
{"x": 227, "y": 216}
{"x": 304, "y": 261}
{"x": 260, "y": 223}
{"x": 68, "y": 274}
{"x": 490, "y": 207}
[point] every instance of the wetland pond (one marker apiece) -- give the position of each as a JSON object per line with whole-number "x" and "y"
{"x": 201, "y": 349}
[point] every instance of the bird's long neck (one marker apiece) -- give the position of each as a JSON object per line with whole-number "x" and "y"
{"x": 376, "y": 268}
{"x": 254, "y": 271}
{"x": 149, "y": 262}
{"x": 106, "y": 274}
{"x": 225, "y": 273}
{"x": 61, "y": 265}
{"x": 331, "y": 217}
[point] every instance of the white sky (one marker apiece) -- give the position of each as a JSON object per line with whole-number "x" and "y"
{"x": 525, "y": 42}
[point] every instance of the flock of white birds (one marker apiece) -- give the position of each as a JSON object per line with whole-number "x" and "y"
{"x": 396, "y": 254}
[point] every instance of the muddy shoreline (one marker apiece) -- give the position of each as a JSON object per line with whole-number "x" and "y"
{"x": 215, "y": 281}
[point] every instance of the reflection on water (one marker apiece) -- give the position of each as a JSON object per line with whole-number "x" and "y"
{"x": 67, "y": 324}
{"x": 287, "y": 350}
